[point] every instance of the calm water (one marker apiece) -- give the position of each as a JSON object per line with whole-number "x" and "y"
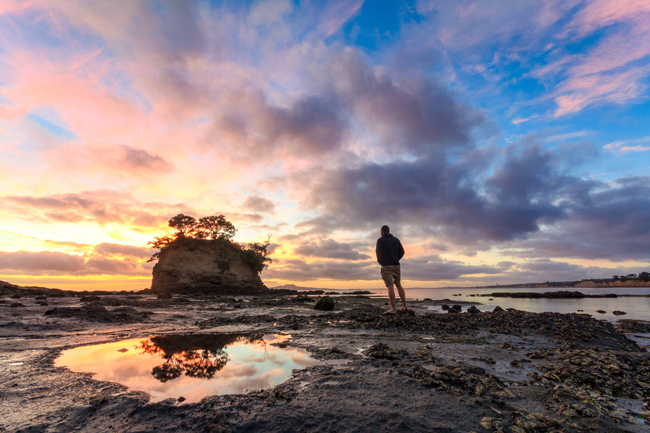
{"x": 190, "y": 366}
{"x": 636, "y": 308}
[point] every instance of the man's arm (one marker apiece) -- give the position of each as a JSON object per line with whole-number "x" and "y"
{"x": 378, "y": 249}
{"x": 400, "y": 250}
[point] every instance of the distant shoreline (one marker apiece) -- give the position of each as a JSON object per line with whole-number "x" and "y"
{"x": 585, "y": 284}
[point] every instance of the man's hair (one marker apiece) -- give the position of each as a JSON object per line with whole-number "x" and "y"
{"x": 385, "y": 229}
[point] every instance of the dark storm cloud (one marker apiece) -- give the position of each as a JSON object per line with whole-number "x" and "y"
{"x": 348, "y": 94}
{"x": 612, "y": 222}
{"x": 542, "y": 270}
{"x": 432, "y": 268}
{"x": 310, "y": 126}
{"x": 452, "y": 198}
{"x": 300, "y": 270}
{"x": 259, "y": 204}
{"x": 413, "y": 115}
{"x": 502, "y": 199}
{"x": 423, "y": 268}
{"x": 332, "y": 249}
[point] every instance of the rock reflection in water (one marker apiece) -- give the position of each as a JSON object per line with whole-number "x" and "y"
{"x": 191, "y": 366}
{"x": 198, "y": 356}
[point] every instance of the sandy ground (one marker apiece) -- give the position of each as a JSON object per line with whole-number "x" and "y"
{"x": 422, "y": 370}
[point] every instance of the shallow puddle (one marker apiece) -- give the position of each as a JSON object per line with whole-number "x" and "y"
{"x": 190, "y": 366}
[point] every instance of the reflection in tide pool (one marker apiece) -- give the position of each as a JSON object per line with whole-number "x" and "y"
{"x": 190, "y": 366}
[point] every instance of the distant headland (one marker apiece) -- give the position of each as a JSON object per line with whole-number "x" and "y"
{"x": 641, "y": 279}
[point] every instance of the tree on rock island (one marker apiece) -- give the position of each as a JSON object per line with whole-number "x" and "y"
{"x": 213, "y": 228}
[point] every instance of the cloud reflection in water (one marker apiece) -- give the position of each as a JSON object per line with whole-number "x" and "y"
{"x": 191, "y": 366}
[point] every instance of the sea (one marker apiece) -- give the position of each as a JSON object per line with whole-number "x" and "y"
{"x": 636, "y": 307}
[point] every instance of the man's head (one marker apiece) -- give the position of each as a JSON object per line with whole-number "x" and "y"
{"x": 385, "y": 230}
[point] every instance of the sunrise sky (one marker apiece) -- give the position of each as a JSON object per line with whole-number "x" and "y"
{"x": 502, "y": 141}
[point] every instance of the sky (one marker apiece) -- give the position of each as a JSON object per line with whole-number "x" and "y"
{"x": 503, "y": 142}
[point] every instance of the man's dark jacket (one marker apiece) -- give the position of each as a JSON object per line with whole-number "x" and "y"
{"x": 389, "y": 250}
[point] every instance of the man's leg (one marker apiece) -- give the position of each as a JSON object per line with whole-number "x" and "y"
{"x": 402, "y": 295}
{"x": 391, "y": 298}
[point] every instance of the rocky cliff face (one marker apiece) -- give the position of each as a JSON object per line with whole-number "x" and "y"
{"x": 197, "y": 265}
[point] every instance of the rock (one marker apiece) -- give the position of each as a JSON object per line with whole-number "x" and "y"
{"x": 618, "y": 313}
{"x": 473, "y": 310}
{"x": 382, "y": 351}
{"x": 201, "y": 265}
{"x": 16, "y": 305}
{"x": 455, "y": 309}
{"x": 519, "y": 363}
{"x": 215, "y": 422}
{"x": 626, "y": 325}
{"x": 364, "y": 313}
{"x": 98, "y": 313}
{"x": 601, "y": 311}
{"x": 325, "y": 303}
{"x": 459, "y": 380}
{"x": 497, "y": 309}
{"x": 485, "y": 359}
{"x": 445, "y": 307}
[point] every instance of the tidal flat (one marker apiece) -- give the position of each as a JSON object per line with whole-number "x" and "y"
{"x": 420, "y": 370}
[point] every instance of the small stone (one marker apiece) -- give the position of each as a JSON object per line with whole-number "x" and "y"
{"x": 486, "y": 422}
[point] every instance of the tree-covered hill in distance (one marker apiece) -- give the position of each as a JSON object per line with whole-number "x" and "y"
{"x": 631, "y": 280}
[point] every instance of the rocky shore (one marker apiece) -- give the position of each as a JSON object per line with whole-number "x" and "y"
{"x": 420, "y": 370}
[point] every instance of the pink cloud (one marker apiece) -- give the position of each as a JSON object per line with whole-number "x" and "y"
{"x": 14, "y": 6}
{"x": 609, "y": 72}
{"x": 40, "y": 261}
{"x": 337, "y": 13}
{"x": 626, "y": 146}
{"x": 105, "y": 259}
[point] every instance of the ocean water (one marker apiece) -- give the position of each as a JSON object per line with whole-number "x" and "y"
{"x": 637, "y": 308}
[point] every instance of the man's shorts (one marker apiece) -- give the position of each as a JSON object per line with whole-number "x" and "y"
{"x": 390, "y": 274}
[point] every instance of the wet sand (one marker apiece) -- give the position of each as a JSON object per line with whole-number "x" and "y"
{"x": 505, "y": 371}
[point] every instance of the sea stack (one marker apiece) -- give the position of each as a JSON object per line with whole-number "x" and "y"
{"x": 205, "y": 266}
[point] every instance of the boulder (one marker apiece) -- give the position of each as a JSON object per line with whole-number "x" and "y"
{"x": 205, "y": 266}
{"x": 325, "y": 303}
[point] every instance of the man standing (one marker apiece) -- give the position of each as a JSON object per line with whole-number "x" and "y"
{"x": 389, "y": 251}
